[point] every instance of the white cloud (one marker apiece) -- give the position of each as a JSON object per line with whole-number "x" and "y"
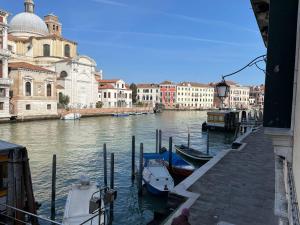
{"x": 109, "y": 2}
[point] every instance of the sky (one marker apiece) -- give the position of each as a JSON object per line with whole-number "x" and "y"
{"x": 155, "y": 40}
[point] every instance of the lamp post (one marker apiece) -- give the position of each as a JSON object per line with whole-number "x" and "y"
{"x": 222, "y": 91}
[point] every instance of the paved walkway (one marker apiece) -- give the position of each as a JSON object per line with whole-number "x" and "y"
{"x": 240, "y": 189}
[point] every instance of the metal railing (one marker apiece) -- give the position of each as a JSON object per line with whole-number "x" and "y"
{"x": 27, "y": 214}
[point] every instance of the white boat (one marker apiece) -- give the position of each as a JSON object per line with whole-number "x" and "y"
{"x": 83, "y": 204}
{"x": 156, "y": 177}
{"x": 71, "y": 116}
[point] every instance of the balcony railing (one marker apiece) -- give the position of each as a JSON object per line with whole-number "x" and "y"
{"x": 5, "y": 81}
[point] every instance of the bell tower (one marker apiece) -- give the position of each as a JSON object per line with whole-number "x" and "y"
{"x": 29, "y": 6}
{"x": 53, "y": 24}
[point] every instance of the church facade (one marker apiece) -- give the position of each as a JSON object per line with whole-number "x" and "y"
{"x": 39, "y": 44}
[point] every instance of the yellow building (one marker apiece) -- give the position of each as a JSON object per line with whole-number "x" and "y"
{"x": 37, "y": 41}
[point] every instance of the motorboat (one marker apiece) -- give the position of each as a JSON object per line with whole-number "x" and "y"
{"x": 120, "y": 114}
{"x": 193, "y": 154}
{"x": 179, "y": 169}
{"x": 156, "y": 177}
{"x": 83, "y": 202}
{"x": 71, "y": 116}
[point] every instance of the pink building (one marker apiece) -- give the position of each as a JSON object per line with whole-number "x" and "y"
{"x": 168, "y": 94}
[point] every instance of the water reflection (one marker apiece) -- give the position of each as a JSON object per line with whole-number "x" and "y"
{"x": 78, "y": 146}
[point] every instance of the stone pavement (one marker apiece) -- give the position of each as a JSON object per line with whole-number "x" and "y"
{"x": 240, "y": 189}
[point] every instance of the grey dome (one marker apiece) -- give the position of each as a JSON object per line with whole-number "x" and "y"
{"x": 27, "y": 24}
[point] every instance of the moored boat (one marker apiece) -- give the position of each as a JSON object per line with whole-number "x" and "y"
{"x": 192, "y": 153}
{"x": 71, "y": 116}
{"x": 156, "y": 177}
{"x": 225, "y": 120}
{"x": 120, "y": 114}
{"x": 83, "y": 204}
{"x": 179, "y": 169}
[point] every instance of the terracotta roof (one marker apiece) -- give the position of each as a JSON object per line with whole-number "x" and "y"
{"x": 106, "y": 86}
{"x": 167, "y": 82}
{"x": 59, "y": 87}
{"x": 147, "y": 85}
{"x": 23, "y": 65}
{"x": 109, "y": 81}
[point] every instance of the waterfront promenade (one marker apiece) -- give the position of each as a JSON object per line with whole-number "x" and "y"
{"x": 239, "y": 189}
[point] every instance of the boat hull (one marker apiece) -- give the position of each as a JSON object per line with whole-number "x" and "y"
{"x": 154, "y": 191}
{"x": 201, "y": 157}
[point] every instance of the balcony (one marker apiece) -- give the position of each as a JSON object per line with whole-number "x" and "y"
{"x": 5, "y": 81}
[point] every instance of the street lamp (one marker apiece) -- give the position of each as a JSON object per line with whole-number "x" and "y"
{"x": 222, "y": 91}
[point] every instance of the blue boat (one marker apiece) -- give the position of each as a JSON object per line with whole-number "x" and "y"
{"x": 156, "y": 177}
{"x": 120, "y": 114}
{"x": 180, "y": 168}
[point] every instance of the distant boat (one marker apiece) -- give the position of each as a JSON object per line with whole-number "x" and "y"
{"x": 224, "y": 120}
{"x": 83, "y": 204}
{"x": 156, "y": 177}
{"x": 180, "y": 168}
{"x": 193, "y": 153}
{"x": 71, "y": 116}
{"x": 120, "y": 114}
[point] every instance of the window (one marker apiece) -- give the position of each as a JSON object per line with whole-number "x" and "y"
{"x": 27, "y": 88}
{"x": 104, "y": 95}
{"x": 67, "y": 50}
{"x": 108, "y": 94}
{"x": 63, "y": 74}
{"x": 2, "y": 93}
{"x": 115, "y": 95}
{"x": 46, "y": 50}
{"x": 49, "y": 106}
{"x": 53, "y": 27}
{"x": 1, "y": 105}
{"x": 49, "y": 90}
{"x": 28, "y": 107}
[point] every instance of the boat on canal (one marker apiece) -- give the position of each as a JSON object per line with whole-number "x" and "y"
{"x": 120, "y": 114}
{"x": 223, "y": 120}
{"x": 156, "y": 177}
{"x": 193, "y": 154}
{"x": 83, "y": 204}
{"x": 71, "y": 116}
{"x": 179, "y": 168}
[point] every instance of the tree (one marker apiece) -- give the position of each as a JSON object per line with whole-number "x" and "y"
{"x": 99, "y": 105}
{"x": 133, "y": 87}
{"x": 63, "y": 99}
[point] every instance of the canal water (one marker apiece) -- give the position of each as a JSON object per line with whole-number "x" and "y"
{"x": 78, "y": 146}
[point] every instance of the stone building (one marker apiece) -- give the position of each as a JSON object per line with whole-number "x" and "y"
{"x": 33, "y": 92}
{"x": 5, "y": 82}
{"x": 148, "y": 94}
{"x": 77, "y": 79}
{"x": 168, "y": 94}
{"x": 192, "y": 95}
{"x": 258, "y": 94}
{"x": 40, "y": 42}
{"x": 114, "y": 93}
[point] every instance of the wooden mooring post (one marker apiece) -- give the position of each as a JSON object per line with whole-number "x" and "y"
{"x": 207, "y": 143}
{"x": 159, "y": 141}
{"x": 189, "y": 139}
{"x": 140, "y": 181}
{"x": 53, "y": 192}
{"x": 112, "y": 184}
{"x": 105, "y": 165}
{"x": 170, "y": 151}
{"x": 156, "y": 141}
{"x": 133, "y": 159}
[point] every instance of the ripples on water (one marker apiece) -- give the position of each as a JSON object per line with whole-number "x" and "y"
{"x": 78, "y": 146}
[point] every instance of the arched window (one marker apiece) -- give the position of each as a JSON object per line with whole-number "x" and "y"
{"x": 49, "y": 90}
{"x": 27, "y": 89}
{"x": 46, "y": 50}
{"x": 63, "y": 74}
{"x": 67, "y": 50}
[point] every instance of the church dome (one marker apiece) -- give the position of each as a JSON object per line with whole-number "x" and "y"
{"x": 26, "y": 25}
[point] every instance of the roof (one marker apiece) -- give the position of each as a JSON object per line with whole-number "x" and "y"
{"x": 23, "y": 65}
{"x": 109, "y": 81}
{"x": 6, "y": 146}
{"x": 193, "y": 84}
{"x": 147, "y": 85}
{"x": 167, "y": 82}
{"x": 106, "y": 86}
{"x": 261, "y": 11}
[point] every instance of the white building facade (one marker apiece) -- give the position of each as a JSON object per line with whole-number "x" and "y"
{"x": 190, "y": 95}
{"x": 148, "y": 94}
{"x": 5, "y": 82}
{"x": 114, "y": 93}
{"x": 77, "y": 79}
